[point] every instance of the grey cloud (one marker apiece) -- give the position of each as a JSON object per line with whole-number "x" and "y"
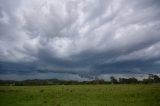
{"x": 87, "y": 37}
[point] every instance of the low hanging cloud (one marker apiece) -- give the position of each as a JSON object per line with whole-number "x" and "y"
{"x": 84, "y": 37}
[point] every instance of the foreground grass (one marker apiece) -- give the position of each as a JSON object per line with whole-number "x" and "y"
{"x": 80, "y": 95}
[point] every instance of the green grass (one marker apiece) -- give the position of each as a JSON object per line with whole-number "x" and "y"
{"x": 80, "y": 95}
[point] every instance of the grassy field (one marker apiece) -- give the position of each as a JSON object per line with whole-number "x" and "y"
{"x": 80, "y": 95}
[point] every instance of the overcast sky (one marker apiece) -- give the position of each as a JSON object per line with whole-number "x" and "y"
{"x": 78, "y": 39}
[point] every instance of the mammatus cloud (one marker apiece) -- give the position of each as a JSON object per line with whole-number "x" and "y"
{"x": 84, "y": 37}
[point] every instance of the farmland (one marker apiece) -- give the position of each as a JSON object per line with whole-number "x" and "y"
{"x": 81, "y": 95}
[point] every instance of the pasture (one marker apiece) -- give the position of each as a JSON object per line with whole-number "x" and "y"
{"x": 81, "y": 95}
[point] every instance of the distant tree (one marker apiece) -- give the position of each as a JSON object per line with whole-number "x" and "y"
{"x": 156, "y": 78}
{"x": 122, "y": 80}
{"x": 151, "y": 79}
{"x": 113, "y": 80}
{"x": 128, "y": 80}
{"x": 150, "y": 76}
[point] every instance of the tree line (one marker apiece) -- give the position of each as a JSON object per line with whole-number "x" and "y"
{"x": 151, "y": 79}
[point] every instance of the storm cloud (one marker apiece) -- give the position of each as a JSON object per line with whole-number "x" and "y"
{"x": 84, "y": 38}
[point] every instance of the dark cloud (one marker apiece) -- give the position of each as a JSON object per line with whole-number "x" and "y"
{"x": 85, "y": 38}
